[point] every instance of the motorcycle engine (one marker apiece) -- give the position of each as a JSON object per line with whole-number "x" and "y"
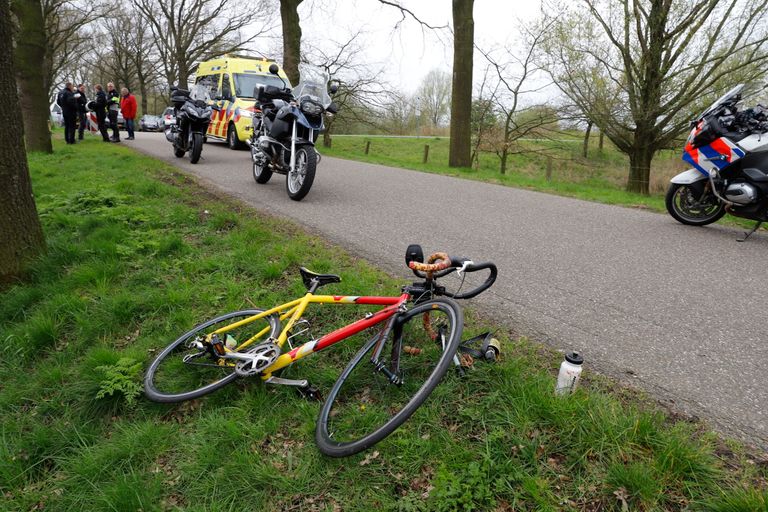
{"x": 741, "y": 193}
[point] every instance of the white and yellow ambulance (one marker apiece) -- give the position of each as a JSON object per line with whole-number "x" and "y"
{"x": 234, "y": 82}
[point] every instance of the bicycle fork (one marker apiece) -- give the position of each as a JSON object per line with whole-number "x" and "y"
{"x": 380, "y": 365}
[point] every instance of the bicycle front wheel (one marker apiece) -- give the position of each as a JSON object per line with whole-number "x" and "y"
{"x": 188, "y": 368}
{"x": 375, "y": 395}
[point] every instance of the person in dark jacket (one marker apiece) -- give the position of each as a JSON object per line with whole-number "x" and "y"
{"x": 100, "y": 108}
{"x": 82, "y": 111}
{"x": 68, "y": 104}
{"x": 113, "y": 107}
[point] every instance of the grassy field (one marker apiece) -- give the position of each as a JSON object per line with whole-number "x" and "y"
{"x": 138, "y": 253}
{"x": 600, "y": 177}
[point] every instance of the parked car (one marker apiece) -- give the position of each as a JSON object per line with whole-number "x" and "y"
{"x": 150, "y": 123}
{"x": 120, "y": 121}
{"x": 56, "y": 118}
{"x": 169, "y": 117}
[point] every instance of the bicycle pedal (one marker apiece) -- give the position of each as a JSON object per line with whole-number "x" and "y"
{"x": 259, "y": 357}
{"x": 310, "y": 393}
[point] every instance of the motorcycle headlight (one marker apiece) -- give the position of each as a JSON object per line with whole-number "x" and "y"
{"x": 311, "y": 108}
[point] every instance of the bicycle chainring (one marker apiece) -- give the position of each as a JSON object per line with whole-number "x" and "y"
{"x": 260, "y": 358}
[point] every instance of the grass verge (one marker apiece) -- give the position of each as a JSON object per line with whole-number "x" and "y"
{"x": 138, "y": 253}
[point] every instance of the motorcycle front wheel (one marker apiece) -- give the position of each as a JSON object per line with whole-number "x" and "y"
{"x": 299, "y": 180}
{"x": 685, "y": 206}
{"x": 197, "y": 148}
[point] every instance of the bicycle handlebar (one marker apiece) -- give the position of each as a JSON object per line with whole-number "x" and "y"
{"x": 439, "y": 264}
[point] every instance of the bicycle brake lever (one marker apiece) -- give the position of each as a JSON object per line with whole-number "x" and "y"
{"x": 464, "y": 267}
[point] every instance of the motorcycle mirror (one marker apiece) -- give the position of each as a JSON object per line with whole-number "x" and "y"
{"x": 273, "y": 68}
{"x": 334, "y": 88}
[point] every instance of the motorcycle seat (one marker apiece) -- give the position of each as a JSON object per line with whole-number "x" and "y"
{"x": 756, "y": 175}
{"x": 322, "y": 279}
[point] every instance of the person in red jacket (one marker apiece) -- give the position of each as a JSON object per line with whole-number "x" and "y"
{"x": 128, "y": 107}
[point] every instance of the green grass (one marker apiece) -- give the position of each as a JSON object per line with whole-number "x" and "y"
{"x": 138, "y": 253}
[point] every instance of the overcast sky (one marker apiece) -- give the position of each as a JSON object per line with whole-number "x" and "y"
{"x": 408, "y": 53}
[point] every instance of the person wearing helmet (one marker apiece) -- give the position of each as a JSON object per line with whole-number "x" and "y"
{"x": 113, "y": 107}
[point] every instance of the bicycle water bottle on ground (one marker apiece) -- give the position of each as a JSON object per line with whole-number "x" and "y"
{"x": 570, "y": 372}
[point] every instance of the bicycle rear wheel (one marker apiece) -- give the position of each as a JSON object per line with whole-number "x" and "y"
{"x": 183, "y": 371}
{"x": 365, "y": 406}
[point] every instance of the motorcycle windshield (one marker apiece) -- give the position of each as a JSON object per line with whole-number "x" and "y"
{"x": 313, "y": 84}
{"x": 725, "y": 98}
{"x": 200, "y": 92}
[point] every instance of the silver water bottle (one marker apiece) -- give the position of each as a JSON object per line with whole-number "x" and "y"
{"x": 570, "y": 372}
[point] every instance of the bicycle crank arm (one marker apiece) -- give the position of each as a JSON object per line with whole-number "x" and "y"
{"x": 303, "y": 383}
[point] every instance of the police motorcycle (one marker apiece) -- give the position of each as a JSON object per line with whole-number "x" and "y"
{"x": 193, "y": 115}
{"x": 285, "y": 128}
{"x": 728, "y": 150}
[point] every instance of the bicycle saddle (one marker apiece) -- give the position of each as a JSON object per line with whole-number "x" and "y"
{"x": 321, "y": 279}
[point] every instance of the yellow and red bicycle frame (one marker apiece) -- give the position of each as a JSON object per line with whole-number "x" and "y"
{"x": 295, "y": 309}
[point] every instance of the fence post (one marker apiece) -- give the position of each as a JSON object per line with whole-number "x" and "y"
{"x": 549, "y": 168}
{"x": 426, "y": 154}
{"x": 367, "y": 146}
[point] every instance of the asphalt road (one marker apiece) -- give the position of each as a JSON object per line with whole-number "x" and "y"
{"x": 673, "y": 309}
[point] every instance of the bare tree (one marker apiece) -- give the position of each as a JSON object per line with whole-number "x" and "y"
{"x": 461, "y": 88}
{"x": 461, "y": 93}
{"x": 638, "y": 69}
{"x": 361, "y": 89}
{"x": 289, "y": 14}
{"x": 484, "y": 115}
{"x": 188, "y": 31}
{"x": 30, "y": 78}
{"x": 515, "y": 75}
{"x": 434, "y": 95}
{"x": 67, "y": 39}
{"x": 21, "y": 236}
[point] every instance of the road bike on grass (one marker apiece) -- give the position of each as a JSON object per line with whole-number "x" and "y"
{"x": 414, "y": 339}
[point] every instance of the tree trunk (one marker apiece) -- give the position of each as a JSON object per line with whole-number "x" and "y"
{"x": 586, "y": 139}
{"x": 143, "y": 92}
{"x": 639, "y": 170}
{"x": 21, "y": 236}
{"x": 600, "y": 142}
{"x": 183, "y": 74}
{"x": 503, "y": 165}
{"x": 291, "y": 38}
{"x": 461, "y": 90}
{"x": 28, "y": 57}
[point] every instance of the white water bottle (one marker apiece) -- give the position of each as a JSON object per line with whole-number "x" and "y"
{"x": 570, "y": 371}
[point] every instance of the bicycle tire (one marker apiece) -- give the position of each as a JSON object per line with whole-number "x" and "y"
{"x": 351, "y": 394}
{"x": 205, "y": 371}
